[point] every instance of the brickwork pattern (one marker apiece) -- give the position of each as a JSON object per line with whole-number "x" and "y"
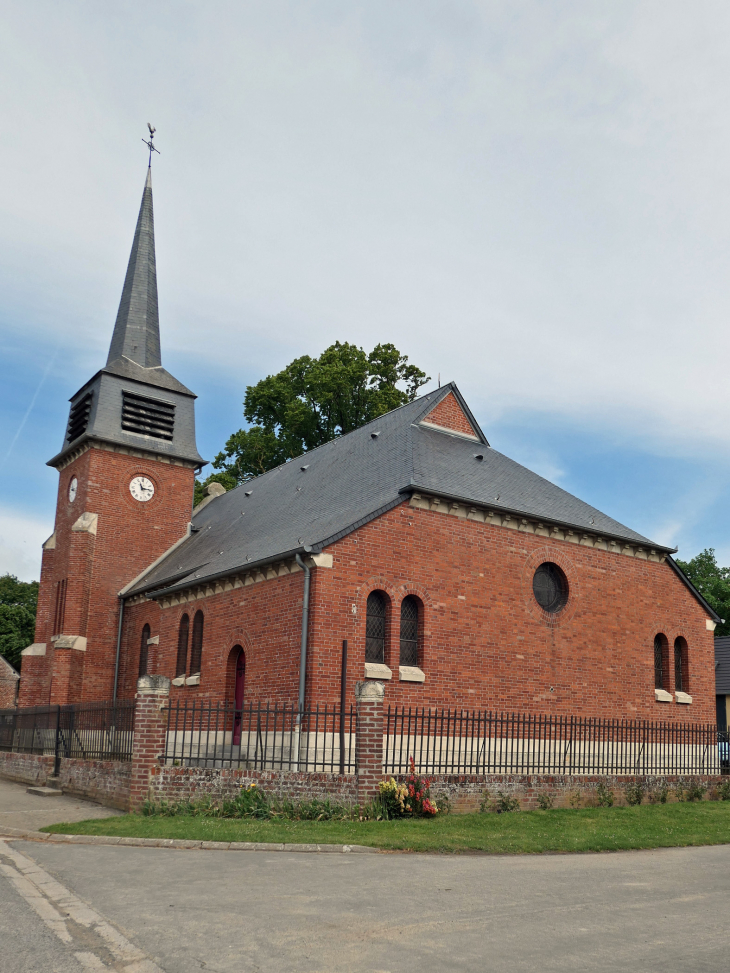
{"x": 368, "y": 744}
{"x": 449, "y": 414}
{"x": 130, "y": 536}
{"x": 26, "y": 768}
{"x": 150, "y": 728}
{"x": 8, "y": 685}
{"x": 191, "y": 783}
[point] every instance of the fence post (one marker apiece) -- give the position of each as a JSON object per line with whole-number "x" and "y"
{"x": 57, "y": 750}
{"x": 369, "y": 697}
{"x": 150, "y": 727}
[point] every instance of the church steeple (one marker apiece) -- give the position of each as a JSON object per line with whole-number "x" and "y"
{"x": 137, "y": 328}
{"x": 133, "y": 403}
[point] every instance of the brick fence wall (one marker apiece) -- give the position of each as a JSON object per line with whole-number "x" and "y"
{"x": 127, "y": 784}
{"x": 105, "y": 781}
{"x": 189, "y": 783}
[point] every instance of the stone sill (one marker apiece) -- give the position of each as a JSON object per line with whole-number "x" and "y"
{"x": 411, "y": 674}
{"x": 193, "y": 680}
{"x": 683, "y": 698}
{"x": 376, "y": 670}
{"x": 662, "y": 696}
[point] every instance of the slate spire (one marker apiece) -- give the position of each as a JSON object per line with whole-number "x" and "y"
{"x": 137, "y": 329}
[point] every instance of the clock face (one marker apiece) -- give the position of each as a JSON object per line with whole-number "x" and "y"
{"x": 142, "y": 488}
{"x": 73, "y": 489}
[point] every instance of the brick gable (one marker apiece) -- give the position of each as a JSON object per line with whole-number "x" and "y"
{"x": 449, "y": 415}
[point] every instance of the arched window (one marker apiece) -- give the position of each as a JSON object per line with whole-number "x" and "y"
{"x": 661, "y": 662}
{"x": 375, "y": 628}
{"x": 196, "y": 650}
{"x": 409, "y": 631}
{"x": 681, "y": 675}
{"x": 182, "y": 646}
{"x": 143, "y": 649}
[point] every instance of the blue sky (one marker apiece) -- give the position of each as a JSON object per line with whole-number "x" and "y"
{"x": 528, "y": 199}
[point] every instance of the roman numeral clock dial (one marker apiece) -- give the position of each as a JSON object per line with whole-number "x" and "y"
{"x": 142, "y": 488}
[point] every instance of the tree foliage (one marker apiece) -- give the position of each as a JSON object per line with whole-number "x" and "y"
{"x": 18, "y": 603}
{"x": 712, "y": 582}
{"x": 314, "y": 400}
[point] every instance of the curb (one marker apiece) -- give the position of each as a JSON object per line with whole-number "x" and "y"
{"x": 181, "y": 843}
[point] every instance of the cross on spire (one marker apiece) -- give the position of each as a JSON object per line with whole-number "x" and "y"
{"x": 150, "y": 144}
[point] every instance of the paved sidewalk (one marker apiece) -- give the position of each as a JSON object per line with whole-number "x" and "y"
{"x": 18, "y": 809}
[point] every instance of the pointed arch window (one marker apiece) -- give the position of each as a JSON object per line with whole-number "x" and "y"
{"x": 409, "y": 631}
{"x": 143, "y": 650}
{"x": 375, "y": 628}
{"x": 182, "y": 646}
{"x": 196, "y": 649}
{"x": 661, "y": 662}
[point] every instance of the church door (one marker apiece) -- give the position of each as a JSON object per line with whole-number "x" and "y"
{"x": 238, "y": 706}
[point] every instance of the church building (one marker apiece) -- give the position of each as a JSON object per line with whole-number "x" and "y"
{"x": 457, "y": 577}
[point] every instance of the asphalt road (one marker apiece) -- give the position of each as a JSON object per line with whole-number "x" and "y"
{"x": 19, "y": 809}
{"x": 184, "y": 911}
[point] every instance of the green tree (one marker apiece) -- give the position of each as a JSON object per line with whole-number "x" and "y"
{"x": 712, "y": 582}
{"x": 18, "y": 603}
{"x": 314, "y": 400}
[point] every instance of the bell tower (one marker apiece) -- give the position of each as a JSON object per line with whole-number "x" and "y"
{"x": 126, "y": 477}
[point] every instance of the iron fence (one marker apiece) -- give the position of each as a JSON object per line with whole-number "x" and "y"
{"x": 90, "y": 731}
{"x": 470, "y": 742}
{"x": 261, "y": 737}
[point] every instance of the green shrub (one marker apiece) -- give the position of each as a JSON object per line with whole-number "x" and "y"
{"x": 545, "y": 801}
{"x": 503, "y": 803}
{"x": 634, "y": 792}
{"x": 658, "y": 795}
{"x": 604, "y": 795}
{"x": 723, "y": 791}
{"x": 694, "y": 792}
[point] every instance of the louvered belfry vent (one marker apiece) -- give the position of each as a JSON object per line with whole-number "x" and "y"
{"x": 78, "y": 418}
{"x": 147, "y": 417}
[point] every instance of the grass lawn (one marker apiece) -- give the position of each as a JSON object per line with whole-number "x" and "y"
{"x": 526, "y": 832}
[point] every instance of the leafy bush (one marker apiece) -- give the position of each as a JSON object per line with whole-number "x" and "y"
{"x": 545, "y": 801}
{"x": 723, "y": 791}
{"x": 658, "y": 795}
{"x": 575, "y": 799}
{"x": 502, "y": 803}
{"x": 694, "y": 792}
{"x": 634, "y": 793}
{"x": 604, "y": 795}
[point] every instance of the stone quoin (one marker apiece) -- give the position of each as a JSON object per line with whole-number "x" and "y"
{"x": 458, "y": 577}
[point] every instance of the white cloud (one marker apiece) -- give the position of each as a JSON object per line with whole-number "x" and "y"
{"x": 21, "y": 538}
{"x": 527, "y": 198}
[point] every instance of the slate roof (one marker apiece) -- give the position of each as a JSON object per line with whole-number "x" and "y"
{"x": 722, "y": 665}
{"x": 312, "y": 501}
{"x": 137, "y": 329}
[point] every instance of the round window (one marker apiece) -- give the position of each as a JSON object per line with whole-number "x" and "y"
{"x": 550, "y": 587}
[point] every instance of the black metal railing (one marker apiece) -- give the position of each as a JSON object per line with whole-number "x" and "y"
{"x": 261, "y": 737}
{"x": 90, "y": 731}
{"x": 470, "y": 742}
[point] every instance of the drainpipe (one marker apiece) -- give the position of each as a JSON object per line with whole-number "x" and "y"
{"x": 119, "y": 646}
{"x": 305, "y": 627}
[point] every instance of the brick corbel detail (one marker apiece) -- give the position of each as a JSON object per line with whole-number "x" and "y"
{"x": 150, "y": 727}
{"x": 369, "y": 698}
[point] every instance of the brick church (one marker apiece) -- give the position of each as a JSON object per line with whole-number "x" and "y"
{"x": 458, "y": 577}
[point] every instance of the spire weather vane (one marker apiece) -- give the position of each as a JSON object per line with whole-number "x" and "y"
{"x": 150, "y": 144}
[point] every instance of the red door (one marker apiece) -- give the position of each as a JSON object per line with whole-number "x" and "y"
{"x": 240, "y": 680}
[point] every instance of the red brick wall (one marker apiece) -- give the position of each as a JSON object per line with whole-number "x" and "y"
{"x": 485, "y": 642}
{"x": 130, "y": 535}
{"x": 264, "y": 618}
{"x": 449, "y": 414}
